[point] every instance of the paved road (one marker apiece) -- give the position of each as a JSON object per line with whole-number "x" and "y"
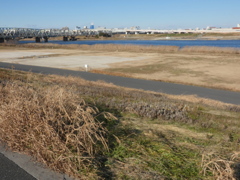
{"x": 15, "y": 166}
{"x": 9, "y": 170}
{"x": 169, "y": 88}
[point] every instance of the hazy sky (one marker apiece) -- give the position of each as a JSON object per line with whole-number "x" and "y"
{"x": 158, "y": 14}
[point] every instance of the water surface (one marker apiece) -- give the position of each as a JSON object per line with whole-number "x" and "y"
{"x": 179, "y": 43}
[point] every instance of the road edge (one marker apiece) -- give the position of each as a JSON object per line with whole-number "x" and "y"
{"x": 36, "y": 169}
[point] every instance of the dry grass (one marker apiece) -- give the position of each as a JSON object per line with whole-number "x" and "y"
{"x": 107, "y": 47}
{"x": 134, "y": 48}
{"x": 198, "y": 100}
{"x": 222, "y": 169}
{"x": 54, "y": 125}
{"x": 109, "y": 73}
{"x": 113, "y": 90}
{"x": 207, "y": 49}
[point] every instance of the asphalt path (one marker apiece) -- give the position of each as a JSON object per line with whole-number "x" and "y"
{"x": 156, "y": 86}
{"x": 9, "y": 170}
{"x": 15, "y": 166}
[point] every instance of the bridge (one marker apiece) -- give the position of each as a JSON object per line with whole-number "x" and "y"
{"x": 176, "y": 31}
{"x": 8, "y": 34}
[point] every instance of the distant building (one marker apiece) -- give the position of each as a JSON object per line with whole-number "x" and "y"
{"x": 65, "y": 28}
{"x": 92, "y": 26}
{"x": 101, "y": 27}
{"x": 210, "y": 28}
{"x": 238, "y": 25}
{"x": 135, "y": 28}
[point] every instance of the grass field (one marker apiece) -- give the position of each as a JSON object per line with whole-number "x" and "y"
{"x": 94, "y": 130}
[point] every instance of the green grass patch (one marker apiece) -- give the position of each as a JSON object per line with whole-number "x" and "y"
{"x": 155, "y": 155}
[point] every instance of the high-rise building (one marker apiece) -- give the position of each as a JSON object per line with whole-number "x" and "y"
{"x": 92, "y": 26}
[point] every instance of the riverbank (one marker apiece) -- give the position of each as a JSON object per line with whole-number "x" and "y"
{"x": 206, "y": 36}
{"x": 201, "y": 66}
{"x": 95, "y": 130}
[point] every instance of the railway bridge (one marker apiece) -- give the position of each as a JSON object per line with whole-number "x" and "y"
{"x": 8, "y": 34}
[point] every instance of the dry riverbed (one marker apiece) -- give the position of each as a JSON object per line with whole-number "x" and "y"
{"x": 220, "y": 70}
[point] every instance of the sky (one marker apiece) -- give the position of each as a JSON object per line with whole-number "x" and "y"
{"x": 153, "y": 14}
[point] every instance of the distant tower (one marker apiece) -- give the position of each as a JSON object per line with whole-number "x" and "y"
{"x": 92, "y": 26}
{"x": 238, "y": 25}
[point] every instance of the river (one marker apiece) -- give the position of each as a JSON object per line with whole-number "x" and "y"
{"x": 179, "y": 43}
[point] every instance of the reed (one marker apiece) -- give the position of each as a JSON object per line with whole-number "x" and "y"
{"x": 106, "y": 47}
{"x": 132, "y": 48}
{"x": 207, "y": 49}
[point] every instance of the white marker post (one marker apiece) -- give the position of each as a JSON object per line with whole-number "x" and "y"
{"x": 86, "y": 67}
